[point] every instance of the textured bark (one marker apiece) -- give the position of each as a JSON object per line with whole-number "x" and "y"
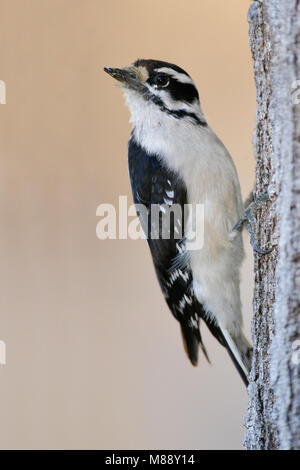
{"x": 273, "y": 419}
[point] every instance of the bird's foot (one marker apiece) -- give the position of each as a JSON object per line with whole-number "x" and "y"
{"x": 248, "y": 219}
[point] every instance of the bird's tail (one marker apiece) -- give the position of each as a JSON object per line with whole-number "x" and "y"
{"x": 191, "y": 342}
{"x": 238, "y": 347}
{"x": 240, "y": 351}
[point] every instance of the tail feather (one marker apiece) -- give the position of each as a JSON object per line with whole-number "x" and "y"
{"x": 191, "y": 342}
{"x": 238, "y": 347}
{"x": 240, "y": 351}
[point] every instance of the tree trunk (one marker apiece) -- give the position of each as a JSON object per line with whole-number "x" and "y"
{"x": 273, "y": 419}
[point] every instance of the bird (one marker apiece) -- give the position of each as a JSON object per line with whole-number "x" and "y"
{"x": 176, "y": 161}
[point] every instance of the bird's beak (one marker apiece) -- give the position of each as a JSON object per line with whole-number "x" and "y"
{"x": 127, "y": 77}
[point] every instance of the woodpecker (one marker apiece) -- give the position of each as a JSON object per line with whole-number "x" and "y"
{"x": 176, "y": 159}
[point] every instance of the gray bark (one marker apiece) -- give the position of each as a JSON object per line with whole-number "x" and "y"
{"x": 273, "y": 419}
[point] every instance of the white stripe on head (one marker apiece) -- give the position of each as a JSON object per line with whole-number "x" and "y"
{"x": 180, "y": 77}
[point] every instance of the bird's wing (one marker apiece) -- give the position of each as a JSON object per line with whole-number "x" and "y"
{"x": 154, "y": 184}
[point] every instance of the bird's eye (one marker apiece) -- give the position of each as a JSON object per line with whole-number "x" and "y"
{"x": 161, "y": 80}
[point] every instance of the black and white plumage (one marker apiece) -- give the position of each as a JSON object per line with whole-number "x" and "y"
{"x": 175, "y": 159}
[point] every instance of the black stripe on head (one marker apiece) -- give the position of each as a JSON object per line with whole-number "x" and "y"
{"x": 182, "y": 91}
{"x": 178, "y": 90}
{"x": 176, "y": 113}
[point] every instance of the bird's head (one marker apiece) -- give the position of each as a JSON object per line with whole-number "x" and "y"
{"x": 155, "y": 90}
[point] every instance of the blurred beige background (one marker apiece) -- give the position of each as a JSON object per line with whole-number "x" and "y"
{"x": 94, "y": 358}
